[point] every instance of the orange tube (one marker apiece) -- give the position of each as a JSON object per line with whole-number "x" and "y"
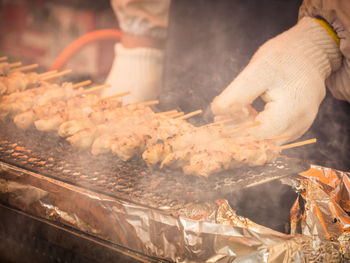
{"x": 86, "y": 39}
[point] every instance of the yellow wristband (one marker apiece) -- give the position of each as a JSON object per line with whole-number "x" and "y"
{"x": 329, "y": 30}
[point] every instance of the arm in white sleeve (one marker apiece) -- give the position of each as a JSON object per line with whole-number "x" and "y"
{"x": 289, "y": 73}
{"x": 138, "y": 68}
{"x": 337, "y": 14}
{"x": 143, "y": 17}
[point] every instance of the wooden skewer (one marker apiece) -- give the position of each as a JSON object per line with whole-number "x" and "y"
{"x": 96, "y": 88}
{"x": 243, "y": 127}
{"x": 55, "y": 75}
{"x": 47, "y": 73}
{"x": 148, "y": 103}
{"x": 175, "y": 115}
{"x": 144, "y": 103}
{"x": 169, "y": 112}
{"x": 81, "y": 84}
{"x": 15, "y": 64}
{"x": 216, "y": 123}
{"x": 189, "y": 115}
{"x": 3, "y": 58}
{"x": 116, "y": 95}
{"x": 297, "y": 144}
{"x": 28, "y": 67}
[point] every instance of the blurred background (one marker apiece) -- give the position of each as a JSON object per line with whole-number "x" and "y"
{"x": 37, "y": 31}
{"x": 209, "y": 43}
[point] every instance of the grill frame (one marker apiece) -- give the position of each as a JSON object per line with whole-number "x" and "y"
{"x": 130, "y": 181}
{"x": 27, "y": 159}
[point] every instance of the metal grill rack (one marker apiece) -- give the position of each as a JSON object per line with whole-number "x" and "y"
{"x": 49, "y": 155}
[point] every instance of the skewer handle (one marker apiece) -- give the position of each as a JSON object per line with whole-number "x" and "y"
{"x": 23, "y": 68}
{"x": 175, "y": 115}
{"x": 47, "y": 73}
{"x": 59, "y": 74}
{"x": 96, "y": 88}
{"x": 15, "y": 64}
{"x": 116, "y": 95}
{"x": 81, "y": 84}
{"x": 189, "y": 115}
{"x": 170, "y": 112}
{"x": 148, "y": 103}
{"x": 297, "y": 144}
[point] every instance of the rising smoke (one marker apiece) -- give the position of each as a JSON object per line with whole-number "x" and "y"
{"x": 210, "y": 42}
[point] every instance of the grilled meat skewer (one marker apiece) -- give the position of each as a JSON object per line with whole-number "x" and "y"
{"x": 132, "y": 141}
{"x": 99, "y": 116}
{"x": 6, "y": 67}
{"x": 18, "y": 81}
{"x": 49, "y": 93}
{"x": 108, "y": 123}
{"x": 227, "y": 154}
{"x": 76, "y": 108}
{"x": 157, "y": 152}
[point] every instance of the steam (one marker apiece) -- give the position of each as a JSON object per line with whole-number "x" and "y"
{"x": 332, "y": 130}
{"x": 267, "y": 204}
{"x": 210, "y": 42}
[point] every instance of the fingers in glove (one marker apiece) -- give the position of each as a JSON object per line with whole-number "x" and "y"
{"x": 339, "y": 82}
{"x": 249, "y": 84}
{"x": 282, "y": 118}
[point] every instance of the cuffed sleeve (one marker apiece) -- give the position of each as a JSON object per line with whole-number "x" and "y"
{"x": 147, "y": 18}
{"x": 337, "y": 14}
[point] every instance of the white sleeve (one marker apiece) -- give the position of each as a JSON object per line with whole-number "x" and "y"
{"x": 337, "y": 14}
{"x": 143, "y": 17}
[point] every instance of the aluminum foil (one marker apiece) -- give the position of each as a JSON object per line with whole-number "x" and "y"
{"x": 197, "y": 232}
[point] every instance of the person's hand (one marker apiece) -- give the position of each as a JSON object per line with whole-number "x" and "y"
{"x": 138, "y": 70}
{"x": 289, "y": 73}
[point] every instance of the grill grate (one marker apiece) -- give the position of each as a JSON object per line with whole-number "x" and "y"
{"x": 51, "y": 156}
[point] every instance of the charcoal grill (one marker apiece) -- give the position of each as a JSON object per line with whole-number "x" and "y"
{"x": 45, "y": 161}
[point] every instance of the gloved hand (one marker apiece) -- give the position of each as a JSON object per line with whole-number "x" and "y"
{"x": 289, "y": 73}
{"x": 138, "y": 70}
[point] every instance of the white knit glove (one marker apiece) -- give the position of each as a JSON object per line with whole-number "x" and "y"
{"x": 138, "y": 70}
{"x": 289, "y": 73}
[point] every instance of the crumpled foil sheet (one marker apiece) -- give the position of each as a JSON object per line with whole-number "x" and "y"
{"x": 198, "y": 232}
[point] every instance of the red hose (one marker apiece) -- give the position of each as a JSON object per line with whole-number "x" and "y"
{"x": 76, "y": 45}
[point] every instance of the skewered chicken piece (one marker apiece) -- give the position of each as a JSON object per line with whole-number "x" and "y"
{"x": 76, "y": 108}
{"x": 202, "y": 137}
{"x": 99, "y": 116}
{"x": 7, "y": 101}
{"x": 205, "y": 150}
{"x": 71, "y": 127}
{"x": 28, "y": 99}
{"x": 127, "y": 143}
{"x": 208, "y": 154}
{"x": 26, "y": 119}
{"x": 6, "y": 67}
{"x": 157, "y": 152}
{"x": 227, "y": 154}
{"x": 3, "y": 87}
{"x": 118, "y": 118}
{"x": 207, "y": 162}
{"x": 18, "y": 81}
{"x": 125, "y": 137}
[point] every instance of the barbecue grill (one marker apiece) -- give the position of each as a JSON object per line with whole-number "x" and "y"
{"x": 46, "y": 178}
